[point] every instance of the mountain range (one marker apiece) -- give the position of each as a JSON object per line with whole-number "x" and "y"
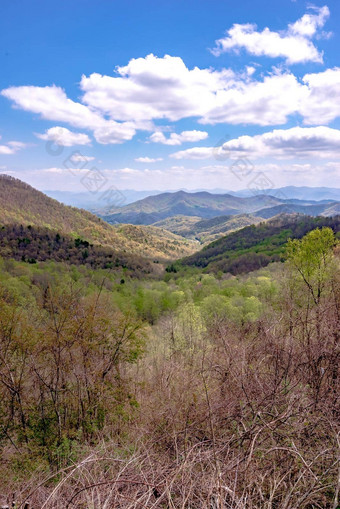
{"x": 153, "y": 209}
{"x": 168, "y": 227}
{"x": 94, "y": 202}
{"x": 21, "y": 204}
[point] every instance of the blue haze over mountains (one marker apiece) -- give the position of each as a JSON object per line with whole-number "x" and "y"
{"x": 90, "y": 201}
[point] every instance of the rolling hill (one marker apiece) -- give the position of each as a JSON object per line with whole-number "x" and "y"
{"x": 93, "y": 203}
{"x": 32, "y": 244}
{"x": 153, "y": 209}
{"x": 291, "y": 207}
{"x": 21, "y": 204}
{"x": 206, "y": 230}
{"x": 253, "y": 247}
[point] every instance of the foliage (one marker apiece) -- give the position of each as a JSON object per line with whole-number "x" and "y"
{"x": 206, "y": 230}
{"x": 41, "y": 211}
{"x": 254, "y": 247}
{"x": 31, "y": 244}
{"x": 202, "y": 390}
{"x": 62, "y": 361}
{"x": 311, "y": 257}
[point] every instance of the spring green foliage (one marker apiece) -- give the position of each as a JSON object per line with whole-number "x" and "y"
{"x": 66, "y": 333}
{"x": 64, "y": 342}
{"x": 311, "y": 257}
{"x": 206, "y": 230}
{"x": 20, "y": 204}
{"x": 33, "y": 243}
{"x": 195, "y": 368}
{"x": 254, "y": 247}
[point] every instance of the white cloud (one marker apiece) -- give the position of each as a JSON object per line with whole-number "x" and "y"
{"x": 79, "y": 158}
{"x": 195, "y": 153}
{"x": 148, "y": 159}
{"x": 12, "y": 147}
{"x": 293, "y": 44}
{"x": 308, "y": 25}
{"x": 64, "y": 137}
{"x": 297, "y": 142}
{"x": 55, "y": 171}
{"x": 322, "y": 104}
{"x": 53, "y": 104}
{"x": 222, "y": 176}
{"x": 154, "y": 88}
{"x": 178, "y": 139}
{"x": 4, "y": 150}
{"x": 112, "y": 132}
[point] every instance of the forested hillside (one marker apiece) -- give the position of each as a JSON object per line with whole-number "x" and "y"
{"x": 170, "y": 296}
{"x": 201, "y": 204}
{"x": 192, "y": 390}
{"x": 32, "y": 244}
{"x": 206, "y": 230}
{"x": 254, "y": 247}
{"x": 23, "y": 205}
{"x": 165, "y": 206}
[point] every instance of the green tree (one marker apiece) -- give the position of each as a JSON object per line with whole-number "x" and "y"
{"x": 312, "y": 258}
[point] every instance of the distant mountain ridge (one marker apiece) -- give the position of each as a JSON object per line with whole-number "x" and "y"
{"x": 92, "y": 202}
{"x": 154, "y": 209}
{"x": 299, "y": 193}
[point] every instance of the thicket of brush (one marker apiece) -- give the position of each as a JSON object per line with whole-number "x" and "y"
{"x": 227, "y": 400}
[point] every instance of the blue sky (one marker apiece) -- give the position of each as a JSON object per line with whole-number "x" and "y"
{"x": 170, "y": 94}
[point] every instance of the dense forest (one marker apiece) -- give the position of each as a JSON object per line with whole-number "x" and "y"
{"x": 201, "y": 391}
{"x": 253, "y": 247}
{"x": 206, "y": 230}
{"x": 31, "y": 244}
{"x": 21, "y": 204}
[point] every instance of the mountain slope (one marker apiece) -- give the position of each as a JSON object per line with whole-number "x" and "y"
{"x": 255, "y": 246}
{"x": 204, "y": 205}
{"x": 34, "y": 244}
{"x": 316, "y": 209}
{"x": 22, "y": 204}
{"x": 93, "y": 203}
{"x": 154, "y": 209}
{"x": 206, "y": 230}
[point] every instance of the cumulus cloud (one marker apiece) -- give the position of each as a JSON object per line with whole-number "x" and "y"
{"x": 178, "y": 139}
{"x": 164, "y": 88}
{"x": 51, "y": 103}
{"x": 294, "y": 44}
{"x": 195, "y": 153}
{"x": 148, "y": 159}
{"x": 11, "y": 147}
{"x": 64, "y": 137}
{"x": 307, "y": 142}
{"x": 321, "y": 104}
{"x": 308, "y": 25}
{"x": 5, "y": 150}
{"x": 152, "y": 88}
{"x": 79, "y": 158}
